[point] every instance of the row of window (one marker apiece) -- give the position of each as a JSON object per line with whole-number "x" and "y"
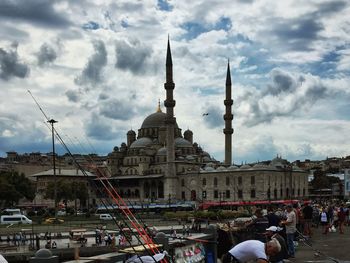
{"x": 215, "y": 181}
{"x": 227, "y": 194}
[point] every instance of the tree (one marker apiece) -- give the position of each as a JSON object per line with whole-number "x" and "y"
{"x": 14, "y": 186}
{"x": 321, "y": 180}
{"x": 63, "y": 191}
{"x": 79, "y": 192}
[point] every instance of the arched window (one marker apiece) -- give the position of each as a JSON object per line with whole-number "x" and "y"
{"x": 215, "y": 182}
{"x": 275, "y": 193}
{"x": 160, "y": 190}
{"x": 146, "y": 189}
{"x": 137, "y": 193}
{"x": 193, "y": 195}
{"x": 204, "y": 181}
{"x": 182, "y": 182}
{"x": 252, "y": 180}
{"x": 252, "y": 193}
{"x": 227, "y": 180}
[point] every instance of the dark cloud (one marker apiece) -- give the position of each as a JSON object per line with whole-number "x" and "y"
{"x": 100, "y": 129}
{"x": 10, "y": 66}
{"x": 330, "y": 7}
{"x": 214, "y": 119}
{"x": 103, "y": 96}
{"x": 117, "y": 109}
{"x": 73, "y": 95}
{"x": 297, "y": 34}
{"x": 286, "y": 96}
{"x": 40, "y": 12}
{"x": 46, "y": 54}
{"x": 281, "y": 82}
{"x": 15, "y": 135}
{"x": 92, "y": 71}
{"x": 132, "y": 56}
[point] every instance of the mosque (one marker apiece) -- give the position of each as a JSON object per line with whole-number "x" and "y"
{"x": 162, "y": 164}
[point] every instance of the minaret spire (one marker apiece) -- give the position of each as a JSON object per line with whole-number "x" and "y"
{"x": 228, "y": 131}
{"x": 170, "y": 121}
{"x": 158, "y": 108}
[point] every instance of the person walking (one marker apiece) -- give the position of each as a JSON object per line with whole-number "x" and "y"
{"x": 324, "y": 220}
{"x": 307, "y": 215}
{"x": 290, "y": 224}
{"x": 341, "y": 219}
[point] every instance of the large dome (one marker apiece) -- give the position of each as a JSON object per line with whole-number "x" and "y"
{"x": 155, "y": 120}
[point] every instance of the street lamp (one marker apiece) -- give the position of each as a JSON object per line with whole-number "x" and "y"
{"x": 52, "y": 122}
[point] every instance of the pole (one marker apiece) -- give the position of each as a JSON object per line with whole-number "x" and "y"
{"x": 52, "y": 122}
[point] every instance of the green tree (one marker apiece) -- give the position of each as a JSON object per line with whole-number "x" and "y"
{"x": 321, "y": 180}
{"x": 63, "y": 191}
{"x": 14, "y": 186}
{"x": 79, "y": 192}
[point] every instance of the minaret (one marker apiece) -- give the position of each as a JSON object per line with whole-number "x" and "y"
{"x": 228, "y": 131}
{"x": 170, "y": 183}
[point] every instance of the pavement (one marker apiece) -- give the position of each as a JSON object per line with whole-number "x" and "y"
{"x": 332, "y": 247}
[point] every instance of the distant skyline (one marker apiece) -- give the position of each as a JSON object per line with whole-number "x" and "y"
{"x": 99, "y": 69}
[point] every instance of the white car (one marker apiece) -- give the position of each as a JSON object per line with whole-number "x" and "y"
{"x": 106, "y": 217}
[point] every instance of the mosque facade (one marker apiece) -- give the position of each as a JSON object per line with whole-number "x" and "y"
{"x": 163, "y": 164}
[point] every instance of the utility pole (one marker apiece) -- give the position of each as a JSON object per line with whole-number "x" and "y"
{"x": 52, "y": 122}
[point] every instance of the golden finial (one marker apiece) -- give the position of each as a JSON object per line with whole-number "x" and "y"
{"x": 159, "y": 109}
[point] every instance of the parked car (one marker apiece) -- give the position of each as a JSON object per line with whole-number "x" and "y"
{"x": 53, "y": 220}
{"x": 106, "y": 217}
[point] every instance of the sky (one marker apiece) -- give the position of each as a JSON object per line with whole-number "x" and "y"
{"x": 98, "y": 68}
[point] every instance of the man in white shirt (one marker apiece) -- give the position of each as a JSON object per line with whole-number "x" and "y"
{"x": 290, "y": 224}
{"x": 252, "y": 250}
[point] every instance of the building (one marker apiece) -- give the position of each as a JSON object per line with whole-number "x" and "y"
{"x": 43, "y": 179}
{"x": 161, "y": 163}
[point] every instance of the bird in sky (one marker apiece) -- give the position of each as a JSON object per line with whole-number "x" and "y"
{"x": 205, "y": 114}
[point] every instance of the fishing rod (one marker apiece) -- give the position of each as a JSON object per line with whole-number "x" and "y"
{"x": 140, "y": 229}
{"x": 94, "y": 183}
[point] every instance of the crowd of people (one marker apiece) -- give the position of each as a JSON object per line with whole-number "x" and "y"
{"x": 276, "y": 230}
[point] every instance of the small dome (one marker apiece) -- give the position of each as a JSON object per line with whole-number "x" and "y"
{"x": 190, "y": 158}
{"x": 259, "y": 165}
{"x": 162, "y": 151}
{"x": 210, "y": 165}
{"x": 181, "y": 142}
{"x": 142, "y": 142}
{"x": 233, "y": 167}
{"x": 245, "y": 166}
{"x": 221, "y": 168}
{"x": 209, "y": 169}
{"x": 116, "y": 148}
{"x": 206, "y": 159}
{"x": 43, "y": 253}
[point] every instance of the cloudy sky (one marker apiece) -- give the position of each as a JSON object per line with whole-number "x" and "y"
{"x": 98, "y": 68}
